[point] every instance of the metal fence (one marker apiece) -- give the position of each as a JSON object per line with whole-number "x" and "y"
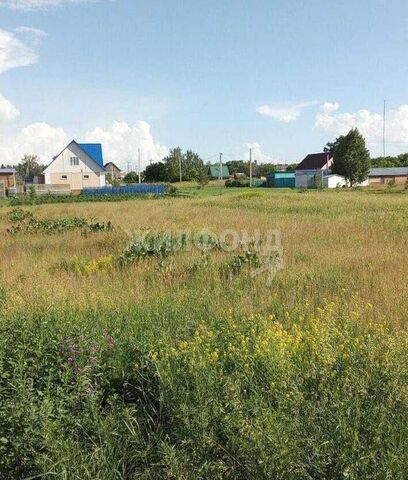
{"x": 138, "y": 189}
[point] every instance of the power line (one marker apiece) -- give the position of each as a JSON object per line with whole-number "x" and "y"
{"x": 212, "y": 156}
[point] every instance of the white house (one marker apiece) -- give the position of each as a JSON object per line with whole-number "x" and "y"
{"x": 79, "y": 165}
{"x": 312, "y": 166}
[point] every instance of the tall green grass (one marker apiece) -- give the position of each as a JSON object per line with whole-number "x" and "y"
{"x": 168, "y": 368}
{"x": 133, "y": 394}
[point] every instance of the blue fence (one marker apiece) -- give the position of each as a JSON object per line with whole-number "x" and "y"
{"x": 132, "y": 189}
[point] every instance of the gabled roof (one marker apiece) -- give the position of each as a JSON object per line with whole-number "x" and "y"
{"x": 93, "y": 150}
{"x": 314, "y": 161}
{"x": 8, "y": 170}
{"x": 215, "y": 171}
{"x": 392, "y": 171}
{"x": 113, "y": 165}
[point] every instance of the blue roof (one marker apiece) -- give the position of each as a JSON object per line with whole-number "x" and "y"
{"x": 93, "y": 150}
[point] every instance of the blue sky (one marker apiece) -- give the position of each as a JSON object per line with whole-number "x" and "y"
{"x": 283, "y": 76}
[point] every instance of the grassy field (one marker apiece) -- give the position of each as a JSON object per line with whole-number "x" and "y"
{"x": 184, "y": 365}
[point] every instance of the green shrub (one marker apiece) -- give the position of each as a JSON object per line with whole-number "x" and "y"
{"x": 162, "y": 244}
{"x": 322, "y": 395}
{"x": 171, "y": 189}
{"x": 24, "y": 221}
{"x": 248, "y": 259}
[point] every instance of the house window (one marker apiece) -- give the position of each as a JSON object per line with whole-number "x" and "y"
{"x": 74, "y": 161}
{"x": 86, "y": 177}
{"x": 63, "y": 177}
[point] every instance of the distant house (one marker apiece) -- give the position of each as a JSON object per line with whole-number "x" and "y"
{"x": 113, "y": 171}
{"x": 214, "y": 171}
{"x": 79, "y": 165}
{"x": 7, "y": 180}
{"x": 381, "y": 176}
{"x": 312, "y": 166}
{"x": 8, "y": 177}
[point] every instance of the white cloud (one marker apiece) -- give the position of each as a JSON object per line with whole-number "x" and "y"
{"x": 33, "y": 35}
{"x": 38, "y": 4}
{"x": 121, "y": 142}
{"x": 370, "y": 124}
{"x": 8, "y": 112}
{"x": 38, "y": 138}
{"x": 257, "y": 153}
{"x": 284, "y": 112}
{"x": 14, "y": 53}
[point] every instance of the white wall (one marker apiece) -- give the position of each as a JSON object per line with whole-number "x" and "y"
{"x": 86, "y": 174}
{"x": 334, "y": 181}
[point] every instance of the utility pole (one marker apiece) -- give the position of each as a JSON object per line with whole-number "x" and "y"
{"x": 138, "y": 164}
{"x": 385, "y": 112}
{"x": 250, "y": 167}
{"x": 181, "y": 174}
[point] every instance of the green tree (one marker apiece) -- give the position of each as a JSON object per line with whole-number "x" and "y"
{"x": 262, "y": 169}
{"x": 291, "y": 167}
{"x": 131, "y": 177}
{"x": 351, "y": 157}
{"x": 29, "y": 166}
{"x": 385, "y": 162}
{"x": 202, "y": 176}
{"x": 172, "y": 162}
{"x": 190, "y": 165}
{"x": 403, "y": 160}
{"x": 156, "y": 172}
{"x": 238, "y": 166}
{"x": 258, "y": 169}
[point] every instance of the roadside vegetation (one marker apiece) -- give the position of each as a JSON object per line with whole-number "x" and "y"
{"x": 121, "y": 360}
